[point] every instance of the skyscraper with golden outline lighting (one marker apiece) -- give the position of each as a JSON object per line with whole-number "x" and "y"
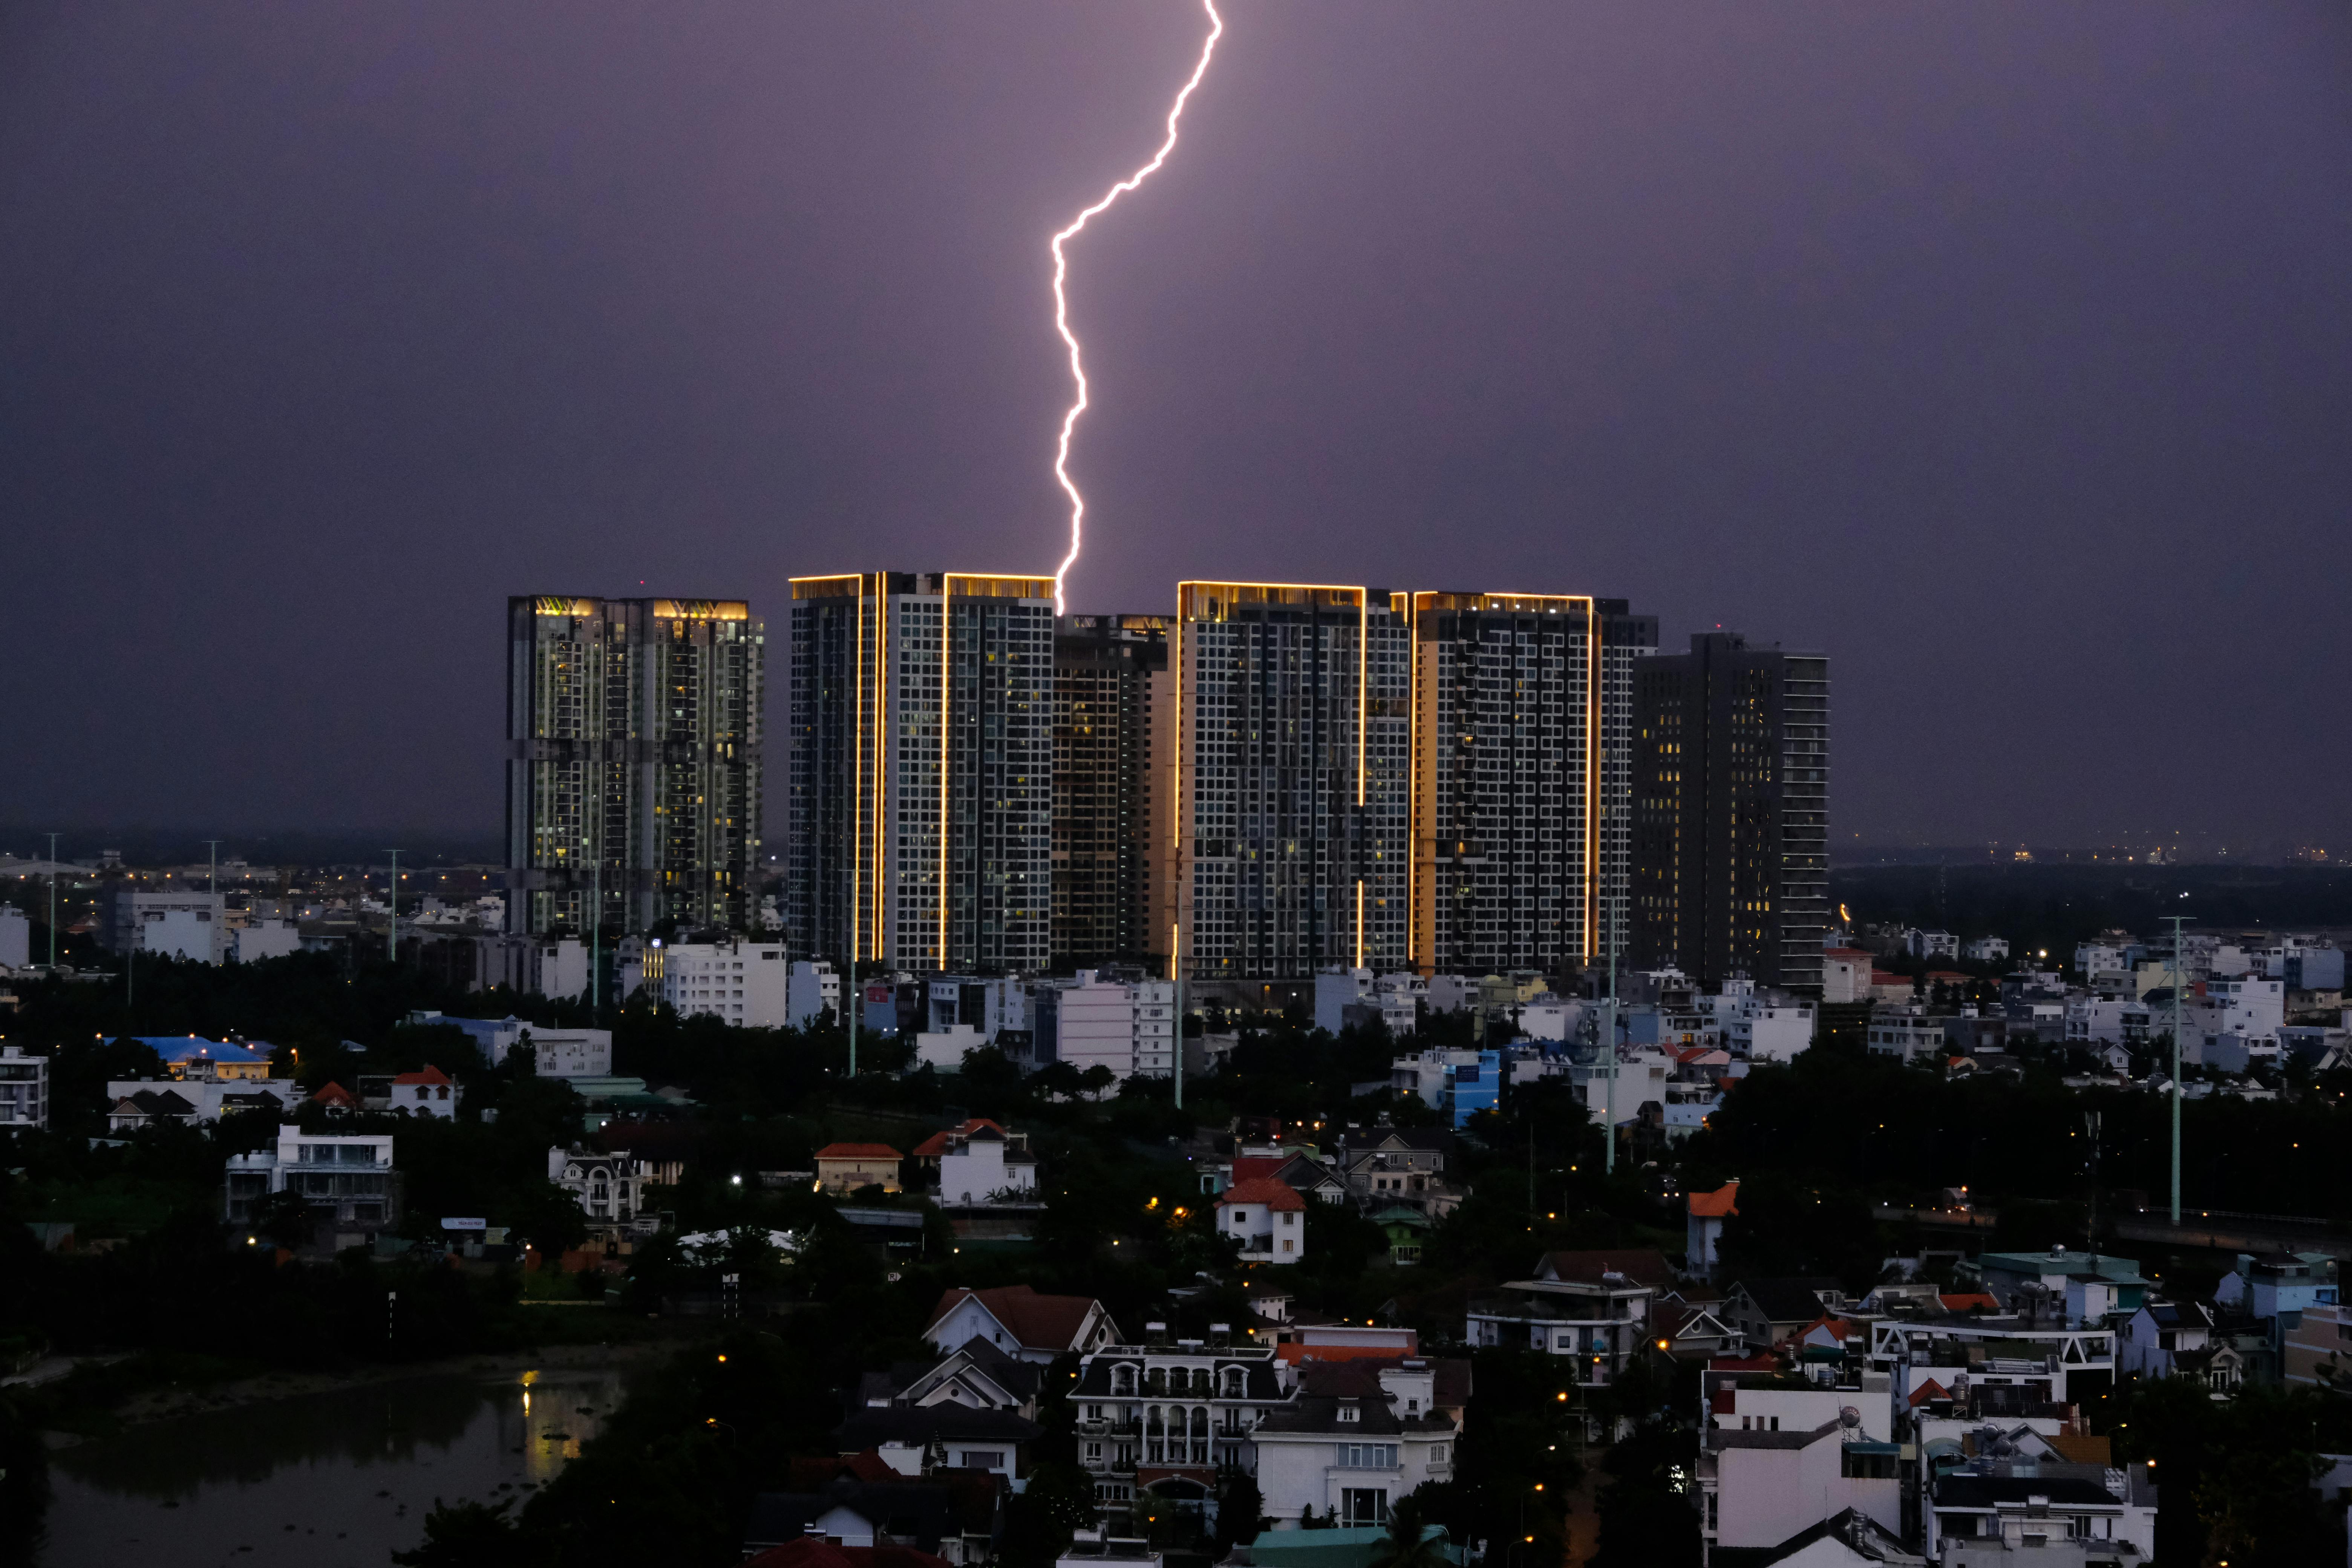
{"x": 921, "y": 804}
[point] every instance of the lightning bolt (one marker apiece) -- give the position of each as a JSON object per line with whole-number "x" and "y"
{"x": 1062, "y": 303}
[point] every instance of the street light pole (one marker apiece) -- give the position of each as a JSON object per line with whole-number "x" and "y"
{"x": 391, "y": 912}
{"x": 2179, "y": 982}
{"x": 53, "y": 901}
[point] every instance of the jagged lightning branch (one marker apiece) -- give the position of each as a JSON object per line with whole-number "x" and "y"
{"x": 1062, "y": 303}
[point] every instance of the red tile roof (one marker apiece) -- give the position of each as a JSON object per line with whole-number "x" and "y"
{"x": 1723, "y": 1201}
{"x": 857, "y": 1152}
{"x": 1038, "y": 1322}
{"x": 1926, "y": 1391}
{"x": 934, "y": 1146}
{"x": 334, "y": 1094}
{"x": 430, "y": 1075}
{"x": 1266, "y": 1190}
{"x": 1969, "y": 1301}
{"x": 1251, "y": 1166}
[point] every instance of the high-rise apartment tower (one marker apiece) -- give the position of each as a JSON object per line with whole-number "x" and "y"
{"x": 1507, "y": 738}
{"x": 1292, "y": 762}
{"x": 1113, "y": 722}
{"x": 633, "y": 761}
{"x": 1730, "y": 852}
{"x": 1625, "y": 637}
{"x": 922, "y": 708}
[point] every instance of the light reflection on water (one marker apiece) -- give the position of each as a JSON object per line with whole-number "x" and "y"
{"x": 337, "y": 1478}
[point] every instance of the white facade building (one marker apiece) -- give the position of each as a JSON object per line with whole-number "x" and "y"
{"x": 24, "y": 1089}
{"x": 1767, "y": 1031}
{"x": 815, "y": 989}
{"x": 982, "y": 1162}
{"x": 1355, "y": 1437}
{"x": 1128, "y": 1027}
{"x": 747, "y": 983}
{"x": 197, "y": 935}
{"x": 253, "y": 943}
{"x": 15, "y": 938}
{"x": 1986, "y": 950}
{"x": 558, "y": 968}
{"x": 609, "y": 1188}
{"x": 347, "y": 1181}
{"x": 1932, "y": 943}
{"x": 572, "y": 1053}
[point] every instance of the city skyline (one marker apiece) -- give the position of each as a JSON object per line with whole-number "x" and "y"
{"x": 1935, "y": 352}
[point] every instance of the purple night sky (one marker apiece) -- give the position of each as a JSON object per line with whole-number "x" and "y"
{"x": 2003, "y": 351}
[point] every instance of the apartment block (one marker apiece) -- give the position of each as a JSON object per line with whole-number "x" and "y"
{"x": 1730, "y": 846}
{"x": 633, "y": 774}
{"x": 922, "y": 710}
{"x": 1113, "y": 827}
{"x": 1292, "y": 778}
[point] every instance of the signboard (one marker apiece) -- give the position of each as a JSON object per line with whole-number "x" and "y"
{"x": 465, "y": 1224}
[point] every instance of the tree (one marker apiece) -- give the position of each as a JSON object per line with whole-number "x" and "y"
{"x": 285, "y": 1217}
{"x": 1408, "y": 1544}
{"x": 1241, "y": 1509}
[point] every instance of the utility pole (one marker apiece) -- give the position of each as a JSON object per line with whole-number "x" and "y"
{"x": 2179, "y": 983}
{"x": 391, "y": 911}
{"x": 2091, "y": 1127}
{"x": 53, "y": 902}
{"x": 212, "y": 877}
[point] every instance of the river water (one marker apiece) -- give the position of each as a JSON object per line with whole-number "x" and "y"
{"x": 324, "y": 1479}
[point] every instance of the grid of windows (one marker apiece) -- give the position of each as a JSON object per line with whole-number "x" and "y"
{"x": 633, "y": 761}
{"x": 1506, "y": 797}
{"x": 1730, "y": 813}
{"x": 1293, "y": 767}
{"x": 922, "y": 769}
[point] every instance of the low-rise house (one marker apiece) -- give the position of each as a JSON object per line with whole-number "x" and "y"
{"x": 348, "y": 1181}
{"x": 145, "y": 1107}
{"x": 1986, "y": 950}
{"x": 2315, "y": 1351}
{"x": 1597, "y": 1325}
{"x": 1771, "y": 1311}
{"x": 24, "y": 1089}
{"x": 1980, "y": 1512}
{"x": 1458, "y": 1084}
{"x": 975, "y": 1375}
{"x": 1762, "y": 1486}
{"x": 194, "y": 1056}
{"x": 1406, "y": 1229}
{"x": 609, "y": 1188}
{"x": 869, "y": 1516}
{"x": 428, "y": 1092}
{"x": 2043, "y": 1279}
{"x": 1908, "y": 1033}
{"x": 2263, "y": 1288}
{"x": 980, "y": 1162}
{"x": 1019, "y": 1321}
{"x": 1267, "y": 1217}
{"x": 846, "y": 1167}
{"x": 1381, "y": 1167}
{"x": 2165, "y": 1338}
{"x": 1703, "y": 1227}
{"x": 1345, "y": 1447}
{"x": 1690, "y": 1333}
{"x": 923, "y": 1439}
{"x": 1166, "y": 1416}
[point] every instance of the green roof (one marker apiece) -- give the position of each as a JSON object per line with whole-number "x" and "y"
{"x": 1350, "y": 1548}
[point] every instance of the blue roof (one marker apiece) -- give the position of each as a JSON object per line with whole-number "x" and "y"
{"x": 196, "y": 1048}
